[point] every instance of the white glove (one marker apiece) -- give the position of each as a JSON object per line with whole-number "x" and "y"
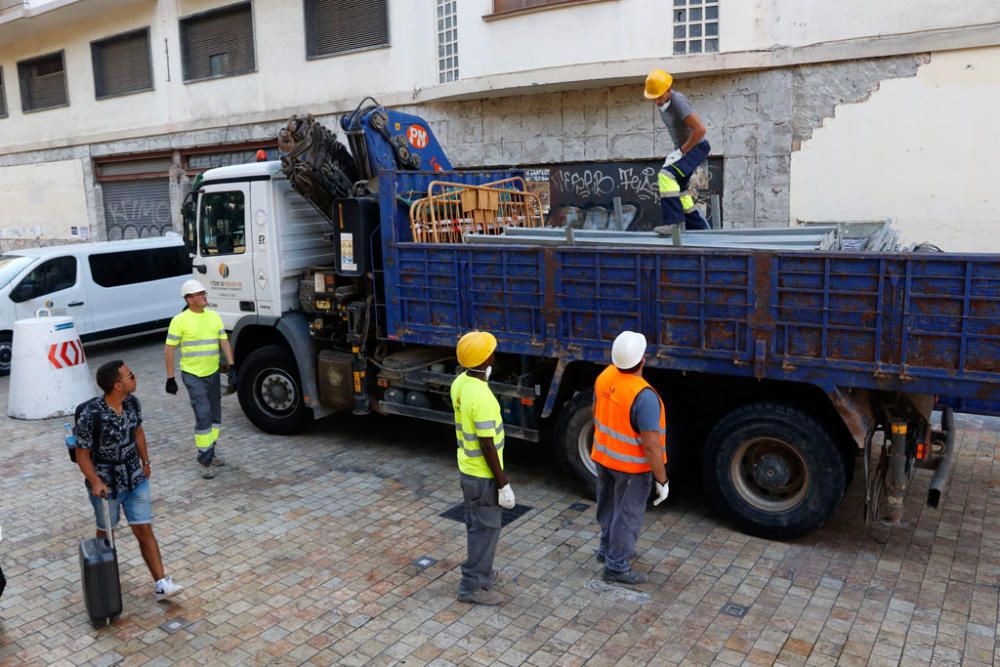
{"x": 673, "y": 157}
{"x": 662, "y": 491}
{"x": 507, "y": 497}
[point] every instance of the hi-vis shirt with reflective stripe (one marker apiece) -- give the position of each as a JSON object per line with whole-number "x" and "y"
{"x": 477, "y": 415}
{"x": 616, "y": 443}
{"x": 198, "y": 335}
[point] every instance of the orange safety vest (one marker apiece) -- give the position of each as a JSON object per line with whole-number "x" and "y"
{"x": 616, "y": 443}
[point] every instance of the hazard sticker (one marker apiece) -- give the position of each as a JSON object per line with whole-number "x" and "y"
{"x": 66, "y": 354}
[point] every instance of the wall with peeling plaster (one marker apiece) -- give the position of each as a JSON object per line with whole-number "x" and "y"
{"x": 922, "y": 149}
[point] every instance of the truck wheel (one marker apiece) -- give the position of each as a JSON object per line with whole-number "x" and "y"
{"x": 6, "y": 353}
{"x": 574, "y": 437}
{"x": 270, "y": 392}
{"x": 773, "y": 470}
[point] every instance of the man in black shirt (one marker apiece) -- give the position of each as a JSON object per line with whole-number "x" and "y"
{"x": 111, "y": 452}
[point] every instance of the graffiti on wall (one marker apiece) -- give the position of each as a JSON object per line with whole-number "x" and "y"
{"x": 138, "y": 217}
{"x": 582, "y": 195}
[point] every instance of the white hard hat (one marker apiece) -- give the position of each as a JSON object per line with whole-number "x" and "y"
{"x": 191, "y": 287}
{"x": 628, "y": 350}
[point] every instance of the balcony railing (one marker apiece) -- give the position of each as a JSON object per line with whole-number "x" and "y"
{"x": 11, "y": 4}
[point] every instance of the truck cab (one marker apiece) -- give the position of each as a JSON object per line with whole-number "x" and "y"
{"x": 251, "y": 237}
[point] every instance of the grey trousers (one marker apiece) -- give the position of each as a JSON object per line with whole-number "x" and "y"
{"x": 483, "y": 516}
{"x": 621, "y": 504}
{"x": 206, "y": 401}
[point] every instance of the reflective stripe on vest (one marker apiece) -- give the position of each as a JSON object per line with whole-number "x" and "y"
{"x": 616, "y": 444}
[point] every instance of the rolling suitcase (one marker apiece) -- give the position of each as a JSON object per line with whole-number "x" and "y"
{"x": 102, "y": 589}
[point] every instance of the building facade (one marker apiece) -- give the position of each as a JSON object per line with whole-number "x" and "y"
{"x": 816, "y": 111}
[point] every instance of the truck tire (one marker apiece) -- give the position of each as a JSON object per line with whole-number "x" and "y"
{"x": 773, "y": 470}
{"x": 6, "y": 353}
{"x": 574, "y": 436}
{"x": 270, "y": 391}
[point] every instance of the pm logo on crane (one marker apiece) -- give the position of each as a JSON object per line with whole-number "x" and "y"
{"x": 417, "y": 136}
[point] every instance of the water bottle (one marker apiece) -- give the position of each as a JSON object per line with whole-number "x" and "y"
{"x": 70, "y": 440}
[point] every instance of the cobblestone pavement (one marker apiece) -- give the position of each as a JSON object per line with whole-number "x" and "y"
{"x": 301, "y": 551}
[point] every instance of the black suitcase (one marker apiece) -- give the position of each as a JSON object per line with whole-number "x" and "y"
{"x": 102, "y": 589}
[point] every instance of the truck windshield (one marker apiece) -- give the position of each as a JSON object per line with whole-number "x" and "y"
{"x": 11, "y": 266}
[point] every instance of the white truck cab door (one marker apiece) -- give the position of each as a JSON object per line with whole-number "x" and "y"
{"x": 224, "y": 262}
{"x": 56, "y": 284}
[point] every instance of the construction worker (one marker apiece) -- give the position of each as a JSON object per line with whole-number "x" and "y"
{"x": 629, "y": 450}
{"x": 690, "y": 150}
{"x": 485, "y": 489}
{"x": 202, "y": 337}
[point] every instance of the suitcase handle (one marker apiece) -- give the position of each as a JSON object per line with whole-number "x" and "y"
{"x": 107, "y": 520}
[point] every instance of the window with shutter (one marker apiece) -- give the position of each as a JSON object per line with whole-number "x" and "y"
{"x": 218, "y": 43}
{"x": 341, "y": 26}
{"x": 122, "y": 64}
{"x": 43, "y": 82}
{"x": 3, "y": 97}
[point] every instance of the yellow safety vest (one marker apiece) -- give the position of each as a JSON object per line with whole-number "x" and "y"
{"x": 477, "y": 415}
{"x": 198, "y": 335}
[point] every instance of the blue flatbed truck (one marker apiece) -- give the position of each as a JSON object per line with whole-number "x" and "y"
{"x": 778, "y": 369}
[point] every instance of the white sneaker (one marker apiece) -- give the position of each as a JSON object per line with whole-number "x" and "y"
{"x": 166, "y": 588}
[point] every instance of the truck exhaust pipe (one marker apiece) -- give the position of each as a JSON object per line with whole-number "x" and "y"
{"x": 942, "y": 476}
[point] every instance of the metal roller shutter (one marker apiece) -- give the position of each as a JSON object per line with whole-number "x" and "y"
{"x": 218, "y": 43}
{"x": 43, "y": 82}
{"x": 337, "y": 26}
{"x": 137, "y": 209}
{"x": 121, "y": 64}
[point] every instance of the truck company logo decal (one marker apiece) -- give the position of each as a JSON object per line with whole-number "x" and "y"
{"x": 66, "y": 354}
{"x": 417, "y": 136}
{"x": 223, "y": 270}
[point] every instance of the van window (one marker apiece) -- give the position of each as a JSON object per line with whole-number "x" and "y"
{"x": 113, "y": 269}
{"x": 223, "y": 223}
{"x": 48, "y": 277}
{"x": 10, "y": 266}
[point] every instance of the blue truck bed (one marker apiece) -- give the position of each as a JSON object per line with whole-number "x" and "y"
{"x": 914, "y": 323}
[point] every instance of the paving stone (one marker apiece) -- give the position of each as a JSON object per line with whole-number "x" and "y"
{"x": 301, "y": 551}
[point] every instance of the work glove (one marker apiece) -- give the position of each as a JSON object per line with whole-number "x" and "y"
{"x": 231, "y": 380}
{"x": 662, "y": 491}
{"x": 673, "y": 157}
{"x": 171, "y": 386}
{"x": 506, "y": 497}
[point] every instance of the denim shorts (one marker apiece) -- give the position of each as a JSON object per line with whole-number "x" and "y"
{"x": 138, "y": 504}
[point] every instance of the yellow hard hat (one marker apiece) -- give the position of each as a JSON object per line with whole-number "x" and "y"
{"x": 475, "y": 347}
{"x": 657, "y": 83}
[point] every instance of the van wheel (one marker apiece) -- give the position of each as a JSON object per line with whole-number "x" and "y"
{"x": 773, "y": 470}
{"x": 6, "y": 353}
{"x": 270, "y": 391}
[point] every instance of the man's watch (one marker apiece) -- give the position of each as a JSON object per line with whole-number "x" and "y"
{"x": 146, "y": 463}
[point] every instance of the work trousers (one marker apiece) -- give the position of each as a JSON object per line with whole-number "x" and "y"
{"x": 206, "y": 401}
{"x": 483, "y": 516}
{"x": 621, "y": 504}
{"x": 674, "y": 209}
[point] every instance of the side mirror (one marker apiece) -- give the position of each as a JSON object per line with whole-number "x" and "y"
{"x": 189, "y": 218}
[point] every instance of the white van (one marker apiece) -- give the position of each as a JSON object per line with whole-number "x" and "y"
{"x": 111, "y": 289}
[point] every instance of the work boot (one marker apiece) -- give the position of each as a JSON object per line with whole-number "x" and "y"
{"x": 482, "y": 596}
{"x": 207, "y": 472}
{"x": 599, "y": 557}
{"x": 218, "y": 461}
{"x": 630, "y": 578}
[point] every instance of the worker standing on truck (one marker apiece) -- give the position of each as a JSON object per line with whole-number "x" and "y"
{"x": 629, "y": 449}
{"x": 690, "y": 150}
{"x": 202, "y": 337}
{"x": 485, "y": 489}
